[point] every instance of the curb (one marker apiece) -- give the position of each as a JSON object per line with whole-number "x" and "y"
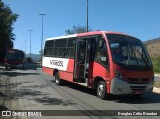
{"x": 158, "y": 75}
{"x": 156, "y": 90}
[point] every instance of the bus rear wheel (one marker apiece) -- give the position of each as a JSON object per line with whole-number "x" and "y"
{"x": 57, "y": 79}
{"x": 101, "y": 90}
{"x": 7, "y": 67}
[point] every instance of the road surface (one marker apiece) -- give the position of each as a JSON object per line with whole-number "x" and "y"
{"x": 31, "y": 89}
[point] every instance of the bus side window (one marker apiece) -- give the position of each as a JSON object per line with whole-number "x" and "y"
{"x": 101, "y": 52}
{"x": 70, "y": 48}
{"x": 64, "y": 52}
{"x": 60, "y": 48}
{"x": 48, "y": 50}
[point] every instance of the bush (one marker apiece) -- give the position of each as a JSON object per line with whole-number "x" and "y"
{"x": 29, "y": 60}
{"x": 156, "y": 64}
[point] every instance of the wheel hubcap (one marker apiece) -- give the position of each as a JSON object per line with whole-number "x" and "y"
{"x": 100, "y": 90}
{"x": 57, "y": 81}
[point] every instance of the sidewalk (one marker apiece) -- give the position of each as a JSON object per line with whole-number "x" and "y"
{"x": 158, "y": 75}
{"x": 156, "y": 90}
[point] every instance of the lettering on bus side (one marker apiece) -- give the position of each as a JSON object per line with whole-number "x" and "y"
{"x": 56, "y": 63}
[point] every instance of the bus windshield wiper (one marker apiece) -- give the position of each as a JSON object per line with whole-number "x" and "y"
{"x": 128, "y": 56}
{"x": 142, "y": 57}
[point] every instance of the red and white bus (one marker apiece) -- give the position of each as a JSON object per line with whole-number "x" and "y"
{"x": 14, "y": 58}
{"x": 110, "y": 62}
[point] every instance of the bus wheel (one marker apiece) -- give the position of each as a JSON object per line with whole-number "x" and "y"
{"x": 101, "y": 90}
{"x": 57, "y": 79}
{"x": 137, "y": 95}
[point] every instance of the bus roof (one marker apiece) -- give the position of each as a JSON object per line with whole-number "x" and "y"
{"x": 85, "y": 34}
{"x": 16, "y": 50}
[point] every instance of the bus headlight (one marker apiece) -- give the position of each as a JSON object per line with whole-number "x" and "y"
{"x": 152, "y": 79}
{"x": 119, "y": 75}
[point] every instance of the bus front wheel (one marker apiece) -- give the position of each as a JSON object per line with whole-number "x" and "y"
{"x": 57, "y": 79}
{"x": 101, "y": 90}
{"x": 6, "y": 67}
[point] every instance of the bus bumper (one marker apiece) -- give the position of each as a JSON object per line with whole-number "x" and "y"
{"x": 121, "y": 87}
{"x": 14, "y": 65}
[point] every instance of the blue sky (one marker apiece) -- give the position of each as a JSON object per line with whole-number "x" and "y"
{"x": 139, "y": 18}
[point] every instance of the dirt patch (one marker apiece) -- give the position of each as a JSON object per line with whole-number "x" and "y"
{"x": 157, "y": 84}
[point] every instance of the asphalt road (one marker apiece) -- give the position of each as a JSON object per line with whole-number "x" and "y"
{"x": 157, "y": 79}
{"x": 31, "y": 89}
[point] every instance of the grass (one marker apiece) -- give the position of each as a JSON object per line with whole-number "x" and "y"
{"x": 156, "y": 64}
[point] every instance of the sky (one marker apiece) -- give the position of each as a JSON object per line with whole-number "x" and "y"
{"x": 138, "y": 18}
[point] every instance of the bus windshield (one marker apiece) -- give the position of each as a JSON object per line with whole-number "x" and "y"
{"x": 15, "y": 55}
{"x": 128, "y": 50}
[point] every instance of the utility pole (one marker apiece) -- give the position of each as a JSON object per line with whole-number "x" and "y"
{"x": 25, "y": 46}
{"x": 87, "y": 16}
{"x": 30, "y": 41}
{"x": 42, "y": 14}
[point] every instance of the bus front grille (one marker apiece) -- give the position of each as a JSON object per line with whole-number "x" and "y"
{"x": 138, "y": 88}
{"x": 138, "y": 80}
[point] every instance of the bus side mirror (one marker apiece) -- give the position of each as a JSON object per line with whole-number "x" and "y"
{"x": 104, "y": 59}
{"x": 100, "y": 44}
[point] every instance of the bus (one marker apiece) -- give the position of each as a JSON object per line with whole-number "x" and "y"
{"x": 14, "y": 58}
{"x": 89, "y": 59}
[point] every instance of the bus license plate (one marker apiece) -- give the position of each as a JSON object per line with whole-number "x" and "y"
{"x": 138, "y": 92}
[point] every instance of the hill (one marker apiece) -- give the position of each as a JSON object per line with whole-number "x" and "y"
{"x": 35, "y": 57}
{"x": 153, "y": 47}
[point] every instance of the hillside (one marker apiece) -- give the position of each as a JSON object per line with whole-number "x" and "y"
{"x": 153, "y": 47}
{"x": 35, "y": 57}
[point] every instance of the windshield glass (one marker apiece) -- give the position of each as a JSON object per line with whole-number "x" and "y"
{"x": 128, "y": 50}
{"x": 15, "y": 55}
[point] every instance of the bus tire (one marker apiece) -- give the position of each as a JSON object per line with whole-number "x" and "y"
{"x": 22, "y": 66}
{"x": 58, "y": 81}
{"x": 137, "y": 95}
{"x": 101, "y": 90}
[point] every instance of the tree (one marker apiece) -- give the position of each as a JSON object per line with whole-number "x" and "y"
{"x": 76, "y": 29}
{"x": 7, "y": 18}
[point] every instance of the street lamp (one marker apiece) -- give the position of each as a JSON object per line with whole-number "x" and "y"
{"x": 87, "y": 16}
{"x": 25, "y": 46}
{"x": 42, "y": 14}
{"x": 30, "y": 41}
{"x": 22, "y": 46}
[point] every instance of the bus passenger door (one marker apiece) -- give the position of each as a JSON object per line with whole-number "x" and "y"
{"x": 80, "y": 61}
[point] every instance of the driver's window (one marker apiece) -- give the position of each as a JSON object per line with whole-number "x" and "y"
{"x": 82, "y": 49}
{"x": 101, "y": 52}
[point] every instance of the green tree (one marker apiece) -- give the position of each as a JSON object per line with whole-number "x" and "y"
{"x": 76, "y": 29}
{"x": 7, "y": 18}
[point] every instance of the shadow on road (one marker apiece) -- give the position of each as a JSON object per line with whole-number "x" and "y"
{"x": 2, "y": 108}
{"x": 27, "y": 66}
{"x": 2, "y": 95}
{"x": 31, "y": 91}
{"x": 54, "y": 101}
{"x": 2, "y": 99}
{"x": 80, "y": 88}
{"x": 130, "y": 99}
{"x": 32, "y": 66}
{"x": 144, "y": 99}
{"x": 41, "y": 97}
{"x": 15, "y": 73}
